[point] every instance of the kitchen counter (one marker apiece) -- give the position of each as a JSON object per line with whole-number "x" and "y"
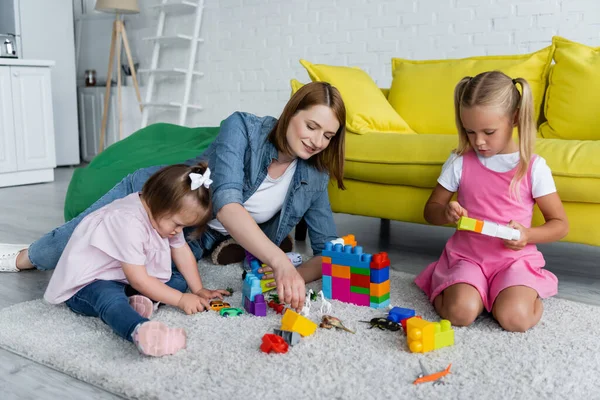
{"x": 20, "y": 62}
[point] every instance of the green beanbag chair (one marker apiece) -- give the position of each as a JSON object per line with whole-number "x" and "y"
{"x": 155, "y": 144}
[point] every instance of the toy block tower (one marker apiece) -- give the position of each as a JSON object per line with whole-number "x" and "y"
{"x": 351, "y": 276}
{"x": 253, "y": 299}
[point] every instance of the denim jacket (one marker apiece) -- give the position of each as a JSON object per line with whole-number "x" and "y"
{"x": 238, "y": 160}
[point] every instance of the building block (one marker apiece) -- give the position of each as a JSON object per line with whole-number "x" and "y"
{"x": 423, "y": 336}
{"x": 291, "y": 338}
{"x": 340, "y": 271}
{"x": 420, "y": 335}
{"x": 326, "y": 286}
{"x": 488, "y": 228}
{"x": 292, "y": 321}
{"x": 360, "y": 299}
{"x": 362, "y": 281}
{"x": 273, "y": 343}
{"x": 397, "y": 314}
{"x": 351, "y": 276}
{"x": 380, "y": 275}
{"x": 403, "y": 322}
{"x": 340, "y": 289}
{"x": 380, "y": 289}
{"x": 444, "y": 334}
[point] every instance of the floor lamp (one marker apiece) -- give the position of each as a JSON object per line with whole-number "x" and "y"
{"x": 117, "y": 7}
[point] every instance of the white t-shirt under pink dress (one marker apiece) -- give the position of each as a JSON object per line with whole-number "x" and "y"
{"x": 119, "y": 232}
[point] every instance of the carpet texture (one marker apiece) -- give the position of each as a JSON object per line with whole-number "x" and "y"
{"x": 557, "y": 359}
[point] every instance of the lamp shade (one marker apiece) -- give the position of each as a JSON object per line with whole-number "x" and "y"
{"x": 118, "y": 6}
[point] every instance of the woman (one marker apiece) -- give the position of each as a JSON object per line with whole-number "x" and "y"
{"x": 267, "y": 175}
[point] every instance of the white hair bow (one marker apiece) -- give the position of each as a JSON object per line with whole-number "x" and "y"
{"x": 200, "y": 179}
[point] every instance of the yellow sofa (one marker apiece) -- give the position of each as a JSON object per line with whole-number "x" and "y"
{"x": 390, "y": 175}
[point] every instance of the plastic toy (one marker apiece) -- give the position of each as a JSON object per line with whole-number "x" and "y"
{"x": 383, "y": 323}
{"x": 292, "y": 321}
{"x": 427, "y": 377}
{"x": 291, "y": 338}
{"x": 423, "y": 336}
{"x": 253, "y": 300}
{"x": 329, "y": 322}
{"x": 397, "y": 314}
{"x": 273, "y": 343}
{"x": 231, "y": 312}
{"x": 351, "y": 276}
{"x": 278, "y": 307}
{"x": 488, "y": 228}
{"x": 217, "y": 305}
{"x": 325, "y": 305}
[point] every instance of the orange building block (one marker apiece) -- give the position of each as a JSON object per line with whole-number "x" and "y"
{"x": 326, "y": 260}
{"x": 349, "y": 240}
{"x": 340, "y": 271}
{"x": 379, "y": 289}
{"x": 420, "y": 335}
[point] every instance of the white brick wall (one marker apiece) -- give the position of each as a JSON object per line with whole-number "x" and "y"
{"x": 252, "y": 47}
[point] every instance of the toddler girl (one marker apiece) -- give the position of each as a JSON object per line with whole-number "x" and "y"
{"x": 133, "y": 241}
{"x": 500, "y": 181}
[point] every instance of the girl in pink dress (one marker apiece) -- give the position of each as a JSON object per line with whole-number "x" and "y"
{"x": 132, "y": 243}
{"x": 498, "y": 180}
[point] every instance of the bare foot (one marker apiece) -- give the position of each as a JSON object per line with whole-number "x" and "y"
{"x": 23, "y": 260}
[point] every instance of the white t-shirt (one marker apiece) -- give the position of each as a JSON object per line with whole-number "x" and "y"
{"x": 267, "y": 200}
{"x": 542, "y": 182}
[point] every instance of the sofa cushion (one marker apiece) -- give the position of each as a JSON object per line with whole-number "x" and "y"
{"x": 423, "y": 91}
{"x": 367, "y": 109}
{"x": 416, "y": 160}
{"x": 572, "y": 107}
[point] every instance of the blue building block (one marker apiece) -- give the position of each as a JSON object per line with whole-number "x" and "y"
{"x": 251, "y": 286}
{"x": 397, "y": 314}
{"x": 341, "y": 255}
{"x": 381, "y": 305}
{"x": 380, "y": 275}
{"x": 326, "y": 286}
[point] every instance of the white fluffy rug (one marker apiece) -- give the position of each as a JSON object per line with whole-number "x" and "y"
{"x": 557, "y": 359}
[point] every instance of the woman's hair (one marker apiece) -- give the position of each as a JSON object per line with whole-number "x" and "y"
{"x": 165, "y": 190}
{"x": 496, "y": 89}
{"x": 316, "y": 93}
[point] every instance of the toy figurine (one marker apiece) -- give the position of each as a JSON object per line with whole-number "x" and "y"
{"x": 324, "y": 303}
{"x": 329, "y": 322}
{"x": 383, "y": 323}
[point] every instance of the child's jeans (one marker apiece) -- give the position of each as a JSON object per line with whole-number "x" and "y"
{"x": 45, "y": 252}
{"x": 107, "y": 300}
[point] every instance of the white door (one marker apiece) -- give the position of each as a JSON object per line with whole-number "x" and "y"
{"x": 34, "y": 123}
{"x": 8, "y": 156}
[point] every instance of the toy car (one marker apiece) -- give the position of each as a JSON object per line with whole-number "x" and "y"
{"x": 217, "y": 305}
{"x": 231, "y": 312}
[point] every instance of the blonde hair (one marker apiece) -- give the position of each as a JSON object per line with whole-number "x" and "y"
{"x": 496, "y": 89}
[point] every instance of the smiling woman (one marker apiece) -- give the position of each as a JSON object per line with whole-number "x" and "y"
{"x": 267, "y": 175}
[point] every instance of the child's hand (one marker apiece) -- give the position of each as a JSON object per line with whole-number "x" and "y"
{"x": 454, "y": 211}
{"x": 191, "y": 304}
{"x": 212, "y": 294}
{"x": 517, "y": 244}
{"x": 268, "y": 274}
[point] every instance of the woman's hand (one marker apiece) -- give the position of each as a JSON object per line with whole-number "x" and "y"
{"x": 212, "y": 294}
{"x": 290, "y": 285}
{"x": 191, "y": 303}
{"x": 454, "y": 211}
{"x": 523, "y": 240}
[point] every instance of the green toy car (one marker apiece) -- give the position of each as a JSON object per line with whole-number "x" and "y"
{"x": 231, "y": 312}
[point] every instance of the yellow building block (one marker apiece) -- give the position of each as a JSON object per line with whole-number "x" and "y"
{"x": 379, "y": 289}
{"x": 292, "y": 321}
{"x": 420, "y": 335}
{"x": 444, "y": 334}
{"x": 469, "y": 224}
{"x": 340, "y": 271}
{"x": 264, "y": 287}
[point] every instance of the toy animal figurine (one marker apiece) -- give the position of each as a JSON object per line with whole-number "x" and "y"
{"x": 324, "y": 303}
{"x": 383, "y": 323}
{"x": 306, "y": 309}
{"x": 329, "y": 322}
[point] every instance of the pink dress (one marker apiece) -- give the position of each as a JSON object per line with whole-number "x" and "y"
{"x": 118, "y": 232}
{"x": 483, "y": 261}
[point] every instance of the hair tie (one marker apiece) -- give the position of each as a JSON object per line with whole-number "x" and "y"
{"x": 200, "y": 179}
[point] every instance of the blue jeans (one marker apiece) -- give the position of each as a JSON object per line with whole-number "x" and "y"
{"x": 45, "y": 252}
{"x": 108, "y": 301}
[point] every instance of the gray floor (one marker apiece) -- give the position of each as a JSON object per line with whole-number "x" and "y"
{"x": 27, "y": 212}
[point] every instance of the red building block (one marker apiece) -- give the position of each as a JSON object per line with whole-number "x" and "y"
{"x": 363, "y": 281}
{"x": 380, "y": 260}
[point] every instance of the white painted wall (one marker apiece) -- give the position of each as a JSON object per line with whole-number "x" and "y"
{"x": 252, "y": 47}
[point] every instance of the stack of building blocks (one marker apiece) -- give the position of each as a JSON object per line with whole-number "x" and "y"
{"x": 423, "y": 336}
{"x": 255, "y": 265}
{"x": 488, "y": 228}
{"x": 252, "y": 298}
{"x": 351, "y": 276}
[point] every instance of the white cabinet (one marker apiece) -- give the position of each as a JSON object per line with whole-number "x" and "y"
{"x": 27, "y": 152}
